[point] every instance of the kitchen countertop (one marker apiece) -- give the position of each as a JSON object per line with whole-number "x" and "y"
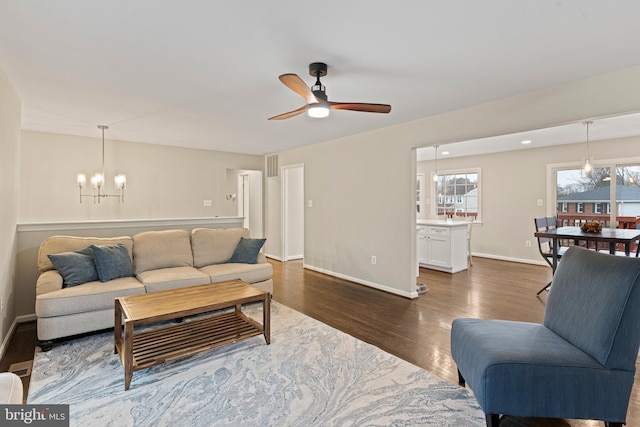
{"x": 441, "y": 222}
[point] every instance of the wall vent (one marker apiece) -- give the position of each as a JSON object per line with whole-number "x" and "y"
{"x": 272, "y": 166}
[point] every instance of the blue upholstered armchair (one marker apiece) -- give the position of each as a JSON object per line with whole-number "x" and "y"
{"x": 579, "y": 364}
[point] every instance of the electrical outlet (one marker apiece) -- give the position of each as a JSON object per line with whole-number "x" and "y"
{"x": 206, "y": 203}
{"x": 373, "y": 259}
{"x": 527, "y": 243}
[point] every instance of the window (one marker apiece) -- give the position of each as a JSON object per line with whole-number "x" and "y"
{"x": 611, "y": 193}
{"x": 602, "y": 208}
{"x": 420, "y": 211}
{"x": 458, "y": 192}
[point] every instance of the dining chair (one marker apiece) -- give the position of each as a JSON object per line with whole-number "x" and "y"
{"x": 579, "y": 363}
{"x": 545, "y": 245}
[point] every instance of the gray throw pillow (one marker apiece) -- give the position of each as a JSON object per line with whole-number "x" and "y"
{"x": 247, "y": 251}
{"x": 112, "y": 261}
{"x": 75, "y": 267}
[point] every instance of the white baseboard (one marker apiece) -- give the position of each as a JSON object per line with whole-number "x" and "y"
{"x": 12, "y": 329}
{"x": 7, "y": 338}
{"x": 505, "y": 258}
{"x": 277, "y": 258}
{"x": 413, "y": 294}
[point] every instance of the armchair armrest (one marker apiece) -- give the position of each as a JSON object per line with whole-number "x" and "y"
{"x": 48, "y": 281}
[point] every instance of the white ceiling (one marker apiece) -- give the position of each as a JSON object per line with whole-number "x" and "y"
{"x": 204, "y": 74}
{"x": 599, "y": 129}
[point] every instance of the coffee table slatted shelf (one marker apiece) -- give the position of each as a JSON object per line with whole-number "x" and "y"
{"x": 185, "y": 339}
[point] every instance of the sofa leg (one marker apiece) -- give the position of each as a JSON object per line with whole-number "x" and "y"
{"x": 461, "y": 379}
{"x": 492, "y": 420}
{"x": 606, "y": 424}
{"x": 46, "y": 345}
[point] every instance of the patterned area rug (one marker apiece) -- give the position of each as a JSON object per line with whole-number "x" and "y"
{"x": 310, "y": 375}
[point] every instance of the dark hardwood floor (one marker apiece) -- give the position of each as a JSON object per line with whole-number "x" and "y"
{"x": 415, "y": 330}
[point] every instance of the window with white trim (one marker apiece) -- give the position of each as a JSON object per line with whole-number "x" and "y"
{"x": 458, "y": 193}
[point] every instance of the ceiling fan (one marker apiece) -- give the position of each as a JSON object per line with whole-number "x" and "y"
{"x": 317, "y": 103}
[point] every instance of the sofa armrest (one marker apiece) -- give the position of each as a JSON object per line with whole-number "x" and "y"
{"x": 261, "y": 258}
{"x": 10, "y": 389}
{"x": 48, "y": 281}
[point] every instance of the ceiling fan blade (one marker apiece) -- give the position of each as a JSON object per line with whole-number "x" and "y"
{"x": 296, "y": 84}
{"x": 290, "y": 113}
{"x": 360, "y": 106}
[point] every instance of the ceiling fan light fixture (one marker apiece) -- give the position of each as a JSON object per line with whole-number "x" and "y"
{"x": 318, "y": 104}
{"x": 318, "y": 111}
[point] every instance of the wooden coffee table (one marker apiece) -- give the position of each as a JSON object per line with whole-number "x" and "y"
{"x": 143, "y": 349}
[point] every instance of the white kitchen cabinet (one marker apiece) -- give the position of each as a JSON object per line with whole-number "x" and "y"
{"x": 442, "y": 245}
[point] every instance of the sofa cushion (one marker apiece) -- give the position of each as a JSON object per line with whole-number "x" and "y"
{"x": 249, "y": 273}
{"x": 59, "y": 244}
{"x": 91, "y": 296}
{"x": 171, "y": 278}
{"x": 112, "y": 261}
{"x": 153, "y": 250}
{"x": 75, "y": 267}
{"x": 247, "y": 251}
{"x": 215, "y": 246}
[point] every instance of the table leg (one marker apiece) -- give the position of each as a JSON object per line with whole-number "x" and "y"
{"x": 117, "y": 329}
{"x": 556, "y": 241}
{"x": 128, "y": 353}
{"x": 266, "y": 318}
{"x": 627, "y": 248}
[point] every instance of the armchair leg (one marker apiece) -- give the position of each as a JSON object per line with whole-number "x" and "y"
{"x": 492, "y": 420}
{"x": 461, "y": 380}
{"x": 606, "y": 424}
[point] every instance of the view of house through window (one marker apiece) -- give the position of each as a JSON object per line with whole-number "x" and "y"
{"x": 583, "y": 197}
{"x": 457, "y": 194}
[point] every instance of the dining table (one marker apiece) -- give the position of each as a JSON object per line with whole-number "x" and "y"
{"x": 612, "y": 236}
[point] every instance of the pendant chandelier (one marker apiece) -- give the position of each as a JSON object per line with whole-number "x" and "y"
{"x": 587, "y": 166}
{"x": 97, "y": 181}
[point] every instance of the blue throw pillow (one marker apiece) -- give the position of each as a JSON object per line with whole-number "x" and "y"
{"x": 247, "y": 251}
{"x": 75, "y": 267}
{"x": 112, "y": 261}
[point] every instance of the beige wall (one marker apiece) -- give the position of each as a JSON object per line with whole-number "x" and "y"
{"x": 512, "y": 183}
{"x": 363, "y": 186}
{"x": 10, "y": 107}
{"x": 162, "y": 181}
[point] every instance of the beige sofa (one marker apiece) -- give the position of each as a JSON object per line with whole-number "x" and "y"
{"x": 160, "y": 260}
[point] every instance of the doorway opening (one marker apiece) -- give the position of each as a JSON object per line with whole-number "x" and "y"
{"x": 292, "y": 212}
